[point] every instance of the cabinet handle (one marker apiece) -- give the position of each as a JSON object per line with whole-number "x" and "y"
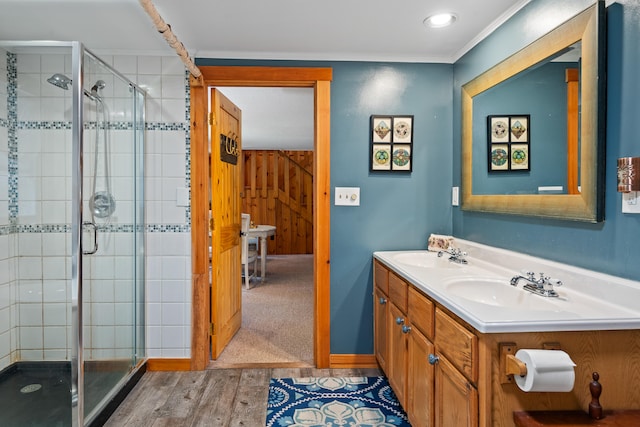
{"x": 399, "y": 320}
{"x": 406, "y": 329}
{"x": 383, "y": 300}
{"x": 433, "y": 359}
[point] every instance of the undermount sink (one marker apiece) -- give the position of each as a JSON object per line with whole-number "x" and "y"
{"x": 424, "y": 259}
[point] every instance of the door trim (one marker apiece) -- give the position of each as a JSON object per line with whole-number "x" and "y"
{"x": 320, "y": 80}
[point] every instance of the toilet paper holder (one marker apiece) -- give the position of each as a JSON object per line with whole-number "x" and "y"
{"x": 515, "y": 366}
{"x": 510, "y": 365}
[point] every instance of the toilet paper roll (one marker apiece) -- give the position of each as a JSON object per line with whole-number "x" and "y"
{"x": 547, "y": 370}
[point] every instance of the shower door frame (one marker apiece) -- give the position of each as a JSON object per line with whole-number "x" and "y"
{"x": 77, "y": 168}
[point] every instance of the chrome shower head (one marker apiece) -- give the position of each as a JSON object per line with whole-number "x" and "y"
{"x": 100, "y": 84}
{"x": 60, "y": 80}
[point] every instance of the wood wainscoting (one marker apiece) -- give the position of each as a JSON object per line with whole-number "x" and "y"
{"x": 278, "y": 190}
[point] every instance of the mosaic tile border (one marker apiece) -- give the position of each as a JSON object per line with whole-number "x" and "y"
{"x": 187, "y": 142}
{"x": 66, "y": 125}
{"x": 103, "y": 228}
{"x": 12, "y": 119}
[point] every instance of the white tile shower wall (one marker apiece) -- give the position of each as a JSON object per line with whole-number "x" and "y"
{"x": 42, "y": 309}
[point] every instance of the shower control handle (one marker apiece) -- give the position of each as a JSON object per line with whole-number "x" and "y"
{"x": 95, "y": 237}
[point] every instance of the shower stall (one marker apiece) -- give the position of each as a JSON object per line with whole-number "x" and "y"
{"x": 72, "y": 301}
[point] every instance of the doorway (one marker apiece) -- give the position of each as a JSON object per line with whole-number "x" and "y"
{"x": 317, "y": 78}
{"x": 276, "y": 184}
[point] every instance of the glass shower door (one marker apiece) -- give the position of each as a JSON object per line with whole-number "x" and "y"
{"x": 111, "y": 234}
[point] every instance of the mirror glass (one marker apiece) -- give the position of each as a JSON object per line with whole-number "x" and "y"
{"x": 530, "y": 111}
{"x": 532, "y": 129}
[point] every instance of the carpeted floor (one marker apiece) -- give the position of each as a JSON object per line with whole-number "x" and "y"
{"x": 333, "y": 401}
{"x": 277, "y": 316}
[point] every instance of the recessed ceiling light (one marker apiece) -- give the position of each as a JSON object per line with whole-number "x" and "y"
{"x": 440, "y": 20}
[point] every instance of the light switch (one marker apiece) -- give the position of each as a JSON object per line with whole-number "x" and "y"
{"x": 347, "y": 196}
{"x": 455, "y": 196}
{"x": 631, "y": 202}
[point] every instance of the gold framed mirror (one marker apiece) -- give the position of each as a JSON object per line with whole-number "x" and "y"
{"x": 584, "y": 200}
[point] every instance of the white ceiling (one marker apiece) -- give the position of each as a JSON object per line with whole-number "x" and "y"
{"x": 360, "y": 30}
{"x": 350, "y": 30}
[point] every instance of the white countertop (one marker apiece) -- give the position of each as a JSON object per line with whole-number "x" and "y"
{"x": 588, "y": 300}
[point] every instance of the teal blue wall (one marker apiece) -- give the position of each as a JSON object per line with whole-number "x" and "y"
{"x": 613, "y": 246}
{"x": 397, "y": 211}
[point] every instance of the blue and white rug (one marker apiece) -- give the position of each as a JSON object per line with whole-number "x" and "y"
{"x": 349, "y": 401}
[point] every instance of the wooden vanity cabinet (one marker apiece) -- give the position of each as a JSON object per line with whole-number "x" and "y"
{"x": 467, "y": 386}
{"x": 441, "y": 393}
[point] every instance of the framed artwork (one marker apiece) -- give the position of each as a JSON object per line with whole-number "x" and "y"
{"x": 519, "y": 157}
{"x": 381, "y": 128}
{"x": 381, "y": 157}
{"x": 508, "y": 138}
{"x": 499, "y": 157}
{"x": 391, "y": 143}
{"x": 498, "y": 129}
{"x": 519, "y": 129}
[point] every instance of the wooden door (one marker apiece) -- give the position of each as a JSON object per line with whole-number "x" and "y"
{"x": 226, "y": 281}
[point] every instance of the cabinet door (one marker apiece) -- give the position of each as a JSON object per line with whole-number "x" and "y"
{"x": 397, "y": 356}
{"x": 456, "y": 398}
{"x": 420, "y": 381}
{"x": 380, "y": 325}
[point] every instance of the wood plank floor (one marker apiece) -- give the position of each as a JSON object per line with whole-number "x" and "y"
{"x": 211, "y": 398}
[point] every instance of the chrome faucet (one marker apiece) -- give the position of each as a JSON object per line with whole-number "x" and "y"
{"x": 455, "y": 255}
{"x": 540, "y": 286}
